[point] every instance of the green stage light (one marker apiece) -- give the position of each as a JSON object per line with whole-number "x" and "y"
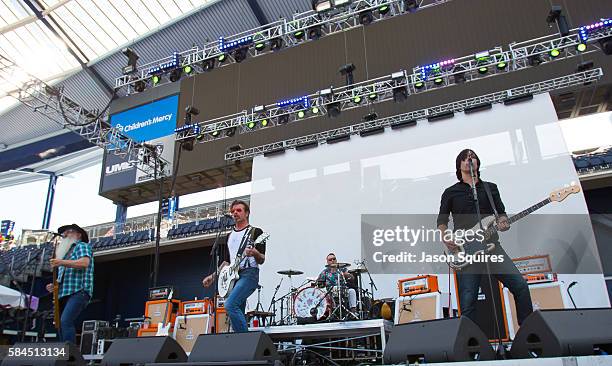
{"x": 214, "y": 133}
{"x": 438, "y": 81}
{"x": 501, "y": 65}
{"x": 357, "y": 99}
{"x": 373, "y": 96}
{"x": 301, "y": 114}
{"x": 554, "y": 53}
{"x": 188, "y": 69}
{"x": 222, "y": 57}
{"x": 299, "y": 34}
{"x": 251, "y": 125}
{"x": 260, "y": 46}
{"x": 315, "y": 110}
{"x": 581, "y": 47}
{"x": 419, "y": 85}
{"x": 384, "y": 9}
{"x": 156, "y": 79}
{"x": 483, "y": 70}
{"x": 264, "y": 122}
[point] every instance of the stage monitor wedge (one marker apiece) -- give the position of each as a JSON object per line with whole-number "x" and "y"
{"x": 557, "y": 333}
{"x": 143, "y": 350}
{"x": 224, "y": 347}
{"x": 441, "y": 340}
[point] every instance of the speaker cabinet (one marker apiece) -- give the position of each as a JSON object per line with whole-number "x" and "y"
{"x": 556, "y": 333}
{"x": 248, "y": 346}
{"x": 222, "y": 323}
{"x": 442, "y": 340}
{"x": 136, "y": 351}
{"x": 418, "y": 308}
{"x": 188, "y": 328}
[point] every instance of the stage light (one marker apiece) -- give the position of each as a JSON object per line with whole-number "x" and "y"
{"x": 333, "y": 110}
{"x": 208, "y": 65}
{"x": 606, "y": 45}
{"x": 370, "y": 117}
{"x": 459, "y": 78}
{"x": 260, "y": 46}
{"x": 366, "y": 18}
{"x": 342, "y": 2}
{"x": 283, "y": 119}
{"x": 214, "y": 133}
{"x": 556, "y": 15}
{"x": 132, "y": 59}
{"x": 321, "y": 5}
{"x": 554, "y": 53}
{"x": 315, "y": 110}
{"x": 222, "y": 58}
{"x": 200, "y": 137}
{"x": 411, "y": 5}
{"x": 156, "y": 79}
{"x": 175, "y": 75}
{"x": 314, "y": 32}
{"x": 483, "y": 70}
{"x": 383, "y": 10}
{"x": 230, "y": 132}
{"x": 241, "y": 54}
{"x": 301, "y": 114}
{"x": 259, "y": 109}
{"x": 264, "y": 122}
{"x": 347, "y": 72}
{"x": 534, "y": 60}
{"x": 187, "y": 69}
{"x": 357, "y": 99}
{"x": 140, "y": 86}
{"x": 501, "y": 65}
{"x": 373, "y": 96}
{"x": 419, "y": 85}
{"x": 276, "y": 44}
{"x": 299, "y": 34}
{"x": 400, "y": 94}
{"x": 438, "y": 80}
{"x": 581, "y": 47}
{"x": 251, "y": 125}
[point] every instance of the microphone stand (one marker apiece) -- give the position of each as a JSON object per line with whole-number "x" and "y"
{"x": 501, "y": 352}
{"x": 273, "y": 301}
{"x": 570, "y": 294}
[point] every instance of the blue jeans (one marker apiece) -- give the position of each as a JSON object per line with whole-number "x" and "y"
{"x": 235, "y": 303}
{"x": 72, "y": 306}
{"x": 505, "y": 272}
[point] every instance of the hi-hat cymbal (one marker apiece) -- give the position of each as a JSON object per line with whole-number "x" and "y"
{"x": 338, "y": 265}
{"x": 358, "y": 270}
{"x": 290, "y": 272}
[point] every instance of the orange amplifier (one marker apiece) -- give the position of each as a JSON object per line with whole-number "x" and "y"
{"x": 417, "y": 285}
{"x": 161, "y": 311}
{"x": 540, "y": 277}
{"x": 151, "y": 332}
{"x": 194, "y": 307}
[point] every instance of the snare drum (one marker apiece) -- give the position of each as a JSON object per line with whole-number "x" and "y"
{"x": 307, "y": 299}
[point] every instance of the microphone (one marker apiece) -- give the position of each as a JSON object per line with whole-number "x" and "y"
{"x": 55, "y": 235}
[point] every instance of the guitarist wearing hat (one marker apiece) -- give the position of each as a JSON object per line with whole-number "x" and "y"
{"x": 252, "y": 257}
{"x": 75, "y": 269}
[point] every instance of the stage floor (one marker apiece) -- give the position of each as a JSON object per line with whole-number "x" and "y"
{"x": 556, "y": 361}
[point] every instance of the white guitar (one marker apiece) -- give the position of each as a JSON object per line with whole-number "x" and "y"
{"x": 490, "y": 227}
{"x": 229, "y": 274}
{"x": 162, "y": 331}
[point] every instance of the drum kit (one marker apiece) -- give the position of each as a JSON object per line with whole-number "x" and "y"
{"x": 315, "y": 301}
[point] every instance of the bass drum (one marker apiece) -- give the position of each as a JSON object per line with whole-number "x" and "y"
{"x": 383, "y": 309}
{"x": 307, "y": 299}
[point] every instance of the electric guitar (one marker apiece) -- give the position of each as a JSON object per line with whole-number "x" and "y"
{"x": 490, "y": 233}
{"x": 228, "y": 276}
{"x": 60, "y": 249}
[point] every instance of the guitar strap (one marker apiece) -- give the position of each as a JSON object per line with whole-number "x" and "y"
{"x": 243, "y": 243}
{"x": 490, "y": 196}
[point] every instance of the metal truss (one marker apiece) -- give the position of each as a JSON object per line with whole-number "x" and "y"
{"x": 53, "y": 103}
{"x": 309, "y": 25}
{"x": 579, "y": 78}
{"x": 400, "y": 85}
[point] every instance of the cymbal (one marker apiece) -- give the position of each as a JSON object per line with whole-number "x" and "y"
{"x": 358, "y": 270}
{"x": 338, "y": 265}
{"x": 290, "y": 272}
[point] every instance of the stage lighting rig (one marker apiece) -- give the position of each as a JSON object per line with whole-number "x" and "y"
{"x": 411, "y": 5}
{"x": 329, "y": 6}
{"x": 132, "y": 59}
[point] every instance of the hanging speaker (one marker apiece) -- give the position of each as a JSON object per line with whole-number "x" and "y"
{"x": 137, "y": 351}
{"x": 247, "y": 346}
{"x": 556, "y": 333}
{"x": 441, "y": 340}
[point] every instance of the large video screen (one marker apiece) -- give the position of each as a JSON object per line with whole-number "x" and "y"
{"x": 153, "y": 123}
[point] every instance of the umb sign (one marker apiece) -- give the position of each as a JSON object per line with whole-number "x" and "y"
{"x": 153, "y": 123}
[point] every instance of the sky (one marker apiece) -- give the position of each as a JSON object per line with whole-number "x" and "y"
{"x": 77, "y": 199}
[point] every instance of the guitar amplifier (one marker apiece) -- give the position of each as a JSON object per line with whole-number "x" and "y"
{"x": 161, "y": 311}
{"x": 194, "y": 307}
{"x": 544, "y": 296}
{"x": 419, "y": 307}
{"x": 417, "y": 285}
{"x": 161, "y": 293}
{"x": 93, "y": 325}
{"x": 92, "y": 331}
{"x": 222, "y": 324}
{"x": 484, "y": 309}
{"x": 188, "y": 328}
{"x": 151, "y": 332}
{"x": 540, "y": 277}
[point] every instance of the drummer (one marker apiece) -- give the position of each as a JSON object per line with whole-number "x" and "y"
{"x": 330, "y": 277}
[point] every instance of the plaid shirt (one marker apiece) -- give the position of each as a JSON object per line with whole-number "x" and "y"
{"x": 74, "y": 280}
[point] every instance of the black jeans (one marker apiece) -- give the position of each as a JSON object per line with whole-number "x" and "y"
{"x": 468, "y": 281}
